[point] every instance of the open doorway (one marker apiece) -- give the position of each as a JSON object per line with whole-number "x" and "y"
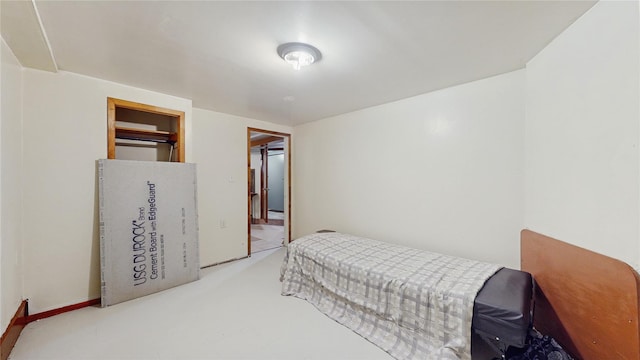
{"x": 269, "y": 191}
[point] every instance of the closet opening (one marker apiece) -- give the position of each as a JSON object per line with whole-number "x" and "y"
{"x": 269, "y": 190}
{"x": 144, "y": 132}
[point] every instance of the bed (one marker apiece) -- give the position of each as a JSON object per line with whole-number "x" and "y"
{"x": 410, "y": 302}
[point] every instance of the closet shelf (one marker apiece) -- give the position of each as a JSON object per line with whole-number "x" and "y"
{"x": 146, "y": 135}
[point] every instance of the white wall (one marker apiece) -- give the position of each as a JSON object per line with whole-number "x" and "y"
{"x": 582, "y": 134}
{"x": 11, "y": 271}
{"x": 441, "y": 171}
{"x": 220, "y": 150}
{"x": 65, "y": 127}
{"x": 65, "y": 132}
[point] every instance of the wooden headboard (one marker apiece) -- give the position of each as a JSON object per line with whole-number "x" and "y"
{"x": 585, "y": 300}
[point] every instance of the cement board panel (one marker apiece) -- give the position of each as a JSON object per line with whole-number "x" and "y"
{"x": 148, "y": 227}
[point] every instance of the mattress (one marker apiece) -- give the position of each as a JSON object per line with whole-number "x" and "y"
{"x": 384, "y": 293}
{"x": 411, "y": 303}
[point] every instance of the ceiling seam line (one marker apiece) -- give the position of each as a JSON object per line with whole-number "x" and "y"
{"x": 44, "y": 35}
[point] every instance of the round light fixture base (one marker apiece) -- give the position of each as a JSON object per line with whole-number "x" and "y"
{"x": 299, "y": 54}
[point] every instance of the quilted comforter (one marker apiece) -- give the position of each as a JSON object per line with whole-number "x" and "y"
{"x": 412, "y": 303}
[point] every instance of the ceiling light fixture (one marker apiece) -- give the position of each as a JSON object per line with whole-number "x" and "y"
{"x": 299, "y": 54}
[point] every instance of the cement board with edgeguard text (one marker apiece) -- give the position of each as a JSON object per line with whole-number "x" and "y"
{"x": 148, "y": 227}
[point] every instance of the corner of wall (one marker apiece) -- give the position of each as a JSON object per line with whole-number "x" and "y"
{"x": 11, "y": 245}
{"x": 582, "y": 133}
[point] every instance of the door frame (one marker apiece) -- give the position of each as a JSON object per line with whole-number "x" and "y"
{"x": 287, "y": 205}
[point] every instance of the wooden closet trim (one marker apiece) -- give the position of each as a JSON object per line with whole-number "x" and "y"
{"x": 113, "y": 104}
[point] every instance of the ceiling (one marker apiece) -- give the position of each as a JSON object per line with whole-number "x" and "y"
{"x": 222, "y": 54}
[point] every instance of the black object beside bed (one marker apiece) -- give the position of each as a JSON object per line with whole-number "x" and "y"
{"x": 502, "y": 314}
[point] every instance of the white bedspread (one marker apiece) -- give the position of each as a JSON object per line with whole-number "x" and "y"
{"x": 411, "y": 303}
